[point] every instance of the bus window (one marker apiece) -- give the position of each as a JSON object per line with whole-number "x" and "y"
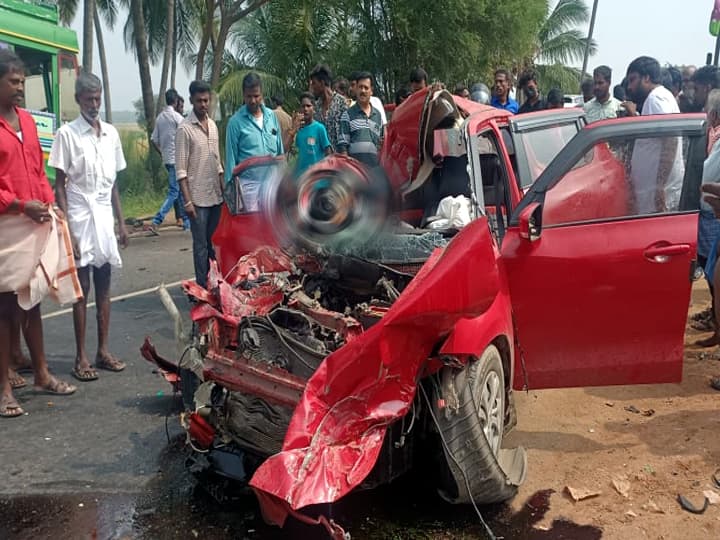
{"x": 38, "y": 79}
{"x": 69, "y": 109}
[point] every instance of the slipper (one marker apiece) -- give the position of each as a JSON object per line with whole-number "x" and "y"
{"x": 56, "y": 388}
{"x": 686, "y": 505}
{"x": 113, "y": 365}
{"x": 716, "y": 479}
{"x": 18, "y": 382}
{"x": 84, "y": 375}
{"x": 715, "y": 383}
{"x": 11, "y": 411}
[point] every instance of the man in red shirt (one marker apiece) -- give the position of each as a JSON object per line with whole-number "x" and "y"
{"x": 24, "y": 190}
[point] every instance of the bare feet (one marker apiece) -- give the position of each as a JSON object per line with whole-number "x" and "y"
{"x": 9, "y": 408}
{"x": 105, "y": 360}
{"x": 16, "y": 381}
{"x": 55, "y": 387}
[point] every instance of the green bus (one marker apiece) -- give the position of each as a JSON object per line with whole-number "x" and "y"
{"x": 31, "y": 28}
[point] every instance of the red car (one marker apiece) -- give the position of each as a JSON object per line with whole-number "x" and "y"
{"x": 339, "y": 370}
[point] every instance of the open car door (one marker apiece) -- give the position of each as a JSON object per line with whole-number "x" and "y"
{"x": 600, "y": 255}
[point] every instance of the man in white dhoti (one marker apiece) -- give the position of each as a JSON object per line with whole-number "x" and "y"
{"x": 29, "y": 268}
{"x": 87, "y": 156}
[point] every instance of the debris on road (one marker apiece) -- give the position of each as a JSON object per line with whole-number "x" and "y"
{"x": 651, "y": 506}
{"x": 631, "y": 514}
{"x": 713, "y": 497}
{"x": 580, "y": 494}
{"x": 621, "y": 485}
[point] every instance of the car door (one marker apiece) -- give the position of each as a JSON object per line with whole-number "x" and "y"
{"x": 599, "y": 278}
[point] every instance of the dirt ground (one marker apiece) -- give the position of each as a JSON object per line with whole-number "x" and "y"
{"x": 585, "y": 439}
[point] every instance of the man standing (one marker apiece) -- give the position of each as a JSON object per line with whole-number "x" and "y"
{"x": 87, "y": 155}
{"x": 362, "y": 125}
{"x": 25, "y": 198}
{"x": 284, "y": 121}
{"x": 686, "y": 99}
{"x": 329, "y": 105}
{"x": 418, "y": 79}
{"x": 311, "y": 141}
{"x": 603, "y": 105}
{"x": 501, "y": 92}
{"x": 533, "y": 100}
{"x": 200, "y": 175}
{"x": 163, "y": 140}
{"x": 374, "y": 100}
{"x": 656, "y": 166}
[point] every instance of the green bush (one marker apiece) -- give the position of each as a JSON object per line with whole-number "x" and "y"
{"x": 144, "y": 174}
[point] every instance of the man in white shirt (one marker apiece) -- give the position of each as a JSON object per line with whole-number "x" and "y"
{"x": 163, "y": 140}
{"x": 656, "y": 168}
{"x": 603, "y": 105}
{"x": 87, "y": 156}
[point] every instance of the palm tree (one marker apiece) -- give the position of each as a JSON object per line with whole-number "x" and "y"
{"x": 88, "y": 22}
{"x": 169, "y": 42}
{"x": 143, "y": 57}
{"x": 560, "y": 42}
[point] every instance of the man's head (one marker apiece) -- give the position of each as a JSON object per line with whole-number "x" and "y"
{"x": 712, "y": 107}
{"x": 307, "y": 106}
{"x": 528, "y": 84}
{"x": 180, "y": 105}
{"x": 277, "y": 101}
{"x": 200, "y": 98}
{"x": 88, "y": 94}
{"x": 364, "y": 88}
{"x": 705, "y": 79}
{"x": 418, "y": 79}
{"x": 688, "y": 88}
{"x": 462, "y": 91}
{"x": 252, "y": 93}
{"x": 171, "y": 98}
{"x": 672, "y": 80}
{"x": 353, "y": 84}
{"x": 320, "y": 80}
{"x": 587, "y": 89}
{"x": 342, "y": 87}
{"x": 501, "y": 88}
{"x": 402, "y": 93}
{"x": 619, "y": 92}
{"x": 555, "y": 99}
{"x": 643, "y": 75}
{"x": 602, "y": 79}
{"x": 12, "y": 79}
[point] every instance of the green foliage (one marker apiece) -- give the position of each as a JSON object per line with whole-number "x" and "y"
{"x": 144, "y": 175}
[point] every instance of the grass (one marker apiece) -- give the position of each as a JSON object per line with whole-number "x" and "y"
{"x": 141, "y": 205}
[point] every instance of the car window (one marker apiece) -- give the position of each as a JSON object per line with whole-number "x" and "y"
{"x": 541, "y": 145}
{"x": 619, "y": 178}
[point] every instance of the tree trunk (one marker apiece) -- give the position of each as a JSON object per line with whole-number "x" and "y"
{"x": 170, "y": 18}
{"x": 205, "y": 38}
{"x": 143, "y": 58}
{"x": 103, "y": 67}
{"x": 88, "y": 18}
{"x": 173, "y": 65}
{"x": 218, "y": 53}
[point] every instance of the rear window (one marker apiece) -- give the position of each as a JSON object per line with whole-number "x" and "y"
{"x": 541, "y": 145}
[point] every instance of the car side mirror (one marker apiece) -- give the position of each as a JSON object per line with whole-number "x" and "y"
{"x": 531, "y": 221}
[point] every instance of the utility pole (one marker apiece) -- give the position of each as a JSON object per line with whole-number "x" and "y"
{"x": 586, "y": 56}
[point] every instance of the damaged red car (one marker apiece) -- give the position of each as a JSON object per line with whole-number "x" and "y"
{"x": 325, "y": 371}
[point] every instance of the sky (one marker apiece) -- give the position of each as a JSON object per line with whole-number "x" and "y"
{"x": 674, "y": 32}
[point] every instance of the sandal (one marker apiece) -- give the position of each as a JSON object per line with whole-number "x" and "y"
{"x": 17, "y": 381}
{"x": 11, "y": 411}
{"x": 109, "y": 363}
{"x": 84, "y": 375}
{"x": 715, "y": 383}
{"x": 56, "y": 387}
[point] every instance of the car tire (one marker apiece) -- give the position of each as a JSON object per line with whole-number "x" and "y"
{"x": 470, "y": 418}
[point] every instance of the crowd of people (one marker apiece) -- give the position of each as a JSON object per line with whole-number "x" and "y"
{"x": 335, "y": 116}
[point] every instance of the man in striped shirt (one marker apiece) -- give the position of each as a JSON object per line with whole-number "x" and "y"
{"x": 361, "y": 125}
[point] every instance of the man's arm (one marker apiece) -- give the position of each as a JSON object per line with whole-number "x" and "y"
{"x": 343, "y": 140}
{"x": 117, "y": 210}
{"x": 182, "y": 153}
{"x": 668, "y": 155}
{"x": 231, "y": 137}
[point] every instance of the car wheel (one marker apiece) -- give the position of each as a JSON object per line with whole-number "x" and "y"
{"x": 470, "y": 424}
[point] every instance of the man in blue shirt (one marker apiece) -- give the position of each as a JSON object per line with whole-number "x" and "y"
{"x": 312, "y": 140}
{"x": 501, "y": 92}
{"x": 253, "y": 130}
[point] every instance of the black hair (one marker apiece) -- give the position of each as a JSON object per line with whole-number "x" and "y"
{"x": 401, "y": 94}
{"x": 555, "y": 97}
{"x": 343, "y": 86}
{"x": 9, "y": 61}
{"x": 353, "y": 76}
{"x": 503, "y": 71}
{"x": 418, "y": 75}
{"x": 526, "y": 77}
{"x": 587, "y": 84}
{"x": 459, "y": 89}
{"x": 251, "y": 80}
{"x": 199, "y": 87}
{"x": 709, "y": 75}
{"x": 307, "y": 95}
{"x": 646, "y": 66}
{"x": 277, "y": 100}
{"x": 362, "y": 75}
{"x": 322, "y": 73}
{"x": 171, "y": 97}
{"x": 619, "y": 92}
{"x": 671, "y": 77}
{"x": 604, "y": 71}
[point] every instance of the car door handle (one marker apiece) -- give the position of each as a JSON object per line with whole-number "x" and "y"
{"x": 662, "y": 253}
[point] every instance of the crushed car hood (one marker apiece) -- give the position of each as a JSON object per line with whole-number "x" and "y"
{"x": 339, "y": 425}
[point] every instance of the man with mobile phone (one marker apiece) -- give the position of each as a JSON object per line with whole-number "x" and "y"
{"x": 311, "y": 138}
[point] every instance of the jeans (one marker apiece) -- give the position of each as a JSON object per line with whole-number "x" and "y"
{"x": 173, "y": 195}
{"x": 202, "y": 228}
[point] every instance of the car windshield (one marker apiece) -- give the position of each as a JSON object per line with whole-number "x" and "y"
{"x": 541, "y": 145}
